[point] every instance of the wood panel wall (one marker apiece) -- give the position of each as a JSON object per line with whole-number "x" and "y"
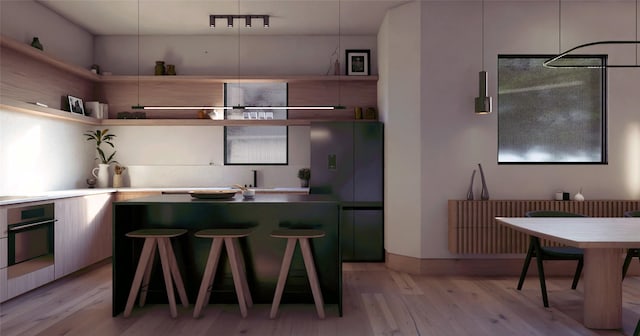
{"x": 29, "y": 80}
{"x": 474, "y": 230}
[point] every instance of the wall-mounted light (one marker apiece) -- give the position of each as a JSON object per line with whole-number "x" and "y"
{"x": 247, "y": 19}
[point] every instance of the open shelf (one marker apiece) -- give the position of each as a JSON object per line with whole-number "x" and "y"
{"x": 31, "y": 108}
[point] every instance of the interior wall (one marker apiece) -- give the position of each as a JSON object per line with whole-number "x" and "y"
{"x": 24, "y": 19}
{"x": 38, "y": 154}
{"x": 399, "y": 103}
{"x": 230, "y": 55}
{"x": 454, "y": 140}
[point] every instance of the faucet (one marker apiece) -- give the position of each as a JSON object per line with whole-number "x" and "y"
{"x": 255, "y": 178}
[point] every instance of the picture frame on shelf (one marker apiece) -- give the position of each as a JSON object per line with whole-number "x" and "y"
{"x": 75, "y": 105}
{"x": 358, "y": 62}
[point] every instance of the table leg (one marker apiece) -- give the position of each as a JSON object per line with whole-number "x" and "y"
{"x": 603, "y": 288}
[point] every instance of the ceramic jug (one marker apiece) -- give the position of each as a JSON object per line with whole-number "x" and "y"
{"x": 102, "y": 175}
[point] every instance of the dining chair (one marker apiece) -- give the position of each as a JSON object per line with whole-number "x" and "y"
{"x": 632, "y": 252}
{"x": 542, "y": 253}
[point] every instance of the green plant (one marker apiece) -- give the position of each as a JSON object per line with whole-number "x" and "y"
{"x": 304, "y": 174}
{"x": 100, "y": 137}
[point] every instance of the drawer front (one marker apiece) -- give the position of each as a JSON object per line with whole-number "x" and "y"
{"x": 3, "y": 252}
{"x": 3, "y": 222}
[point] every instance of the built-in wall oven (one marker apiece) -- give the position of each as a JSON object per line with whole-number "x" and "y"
{"x": 30, "y": 237}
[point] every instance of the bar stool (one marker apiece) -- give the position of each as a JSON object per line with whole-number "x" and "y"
{"x": 228, "y": 237}
{"x": 162, "y": 239}
{"x": 293, "y": 236}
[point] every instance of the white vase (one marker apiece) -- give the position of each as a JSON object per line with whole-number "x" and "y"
{"x": 102, "y": 175}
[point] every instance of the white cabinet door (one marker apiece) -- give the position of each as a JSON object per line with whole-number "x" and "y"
{"x": 3, "y": 269}
{"x": 82, "y": 233}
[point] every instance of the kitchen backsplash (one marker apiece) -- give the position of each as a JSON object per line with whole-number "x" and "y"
{"x": 140, "y": 176}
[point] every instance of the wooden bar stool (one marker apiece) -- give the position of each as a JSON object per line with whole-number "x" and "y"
{"x": 228, "y": 237}
{"x": 303, "y": 237}
{"x": 162, "y": 239}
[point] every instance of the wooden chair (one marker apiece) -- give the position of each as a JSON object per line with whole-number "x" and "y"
{"x": 293, "y": 236}
{"x": 229, "y": 238}
{"x": 161, "y": 239}
{"x": 542, "y": 253}
{"x": 632, "y": 252}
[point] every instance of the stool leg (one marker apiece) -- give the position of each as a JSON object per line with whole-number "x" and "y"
{"x": 209, "y": 275}
{"x": 313, "y": 276}
{"x": 243, "y": 273}
{"x": 147, "y": 275}
{"x": 282, "y": 278}
{"x": 237, "y": 281}
{"x": 166, "y": 271}
{"x": 147, "y": 249}
{"x": 177, "y": 278}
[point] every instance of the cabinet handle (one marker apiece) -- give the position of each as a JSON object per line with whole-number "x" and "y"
{"x": 20, "y": 227}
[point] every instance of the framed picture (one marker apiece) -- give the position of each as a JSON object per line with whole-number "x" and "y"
{"x": 358, "y": 62}
{"x": 76, "y": 105}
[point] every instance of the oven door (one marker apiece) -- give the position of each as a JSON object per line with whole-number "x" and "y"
{"x": 30, "y": 241}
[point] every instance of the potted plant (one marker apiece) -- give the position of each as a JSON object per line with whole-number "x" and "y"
{"x": 304, "y": 174}
{"x": 102, "y": 137}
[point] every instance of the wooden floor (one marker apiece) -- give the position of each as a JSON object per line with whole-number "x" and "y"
{"x": 377, "y": 301}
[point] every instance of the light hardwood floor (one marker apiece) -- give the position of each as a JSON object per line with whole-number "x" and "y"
{"x": 377, "y": 301}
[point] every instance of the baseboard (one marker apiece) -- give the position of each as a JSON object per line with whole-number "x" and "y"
{"x": 483, "y": 267}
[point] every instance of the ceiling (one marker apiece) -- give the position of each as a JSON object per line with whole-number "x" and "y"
{"x": 191, "y": 17}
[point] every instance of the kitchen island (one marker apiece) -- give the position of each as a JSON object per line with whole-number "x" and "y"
{"x": 262, "y": 253}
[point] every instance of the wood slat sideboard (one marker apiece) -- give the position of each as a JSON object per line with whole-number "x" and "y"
{"x": 474, "y": 230}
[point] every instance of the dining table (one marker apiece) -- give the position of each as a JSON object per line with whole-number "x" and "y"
{"x": 604, "y": 241}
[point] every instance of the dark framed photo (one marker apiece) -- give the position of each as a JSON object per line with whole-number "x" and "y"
{"x": 358, "y": 62}
{"x": 76, "y": 105}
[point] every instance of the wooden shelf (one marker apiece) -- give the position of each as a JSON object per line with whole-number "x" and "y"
{"x": 42, "y": 56}
{"x": 209, "y": 122}
{"x": 229, "y": 79}
{"x": 18, "y": 106}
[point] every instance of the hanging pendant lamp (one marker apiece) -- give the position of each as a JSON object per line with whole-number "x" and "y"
{"x": 483, "y": 103}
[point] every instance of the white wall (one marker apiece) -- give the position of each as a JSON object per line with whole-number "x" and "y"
{"x": 38, "y": 154}
{"x": 229, "y": 55}
{"x": 24, "y": 19}
{"x": 454, "y": 140}
{"x": 400, "y": 104}
{"x": 185, "y": 156}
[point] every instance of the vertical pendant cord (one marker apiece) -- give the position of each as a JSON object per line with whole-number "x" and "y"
{"x": 346, "y": 61}
{"x": 138, "y": 70}
{"x": 559, "y": 26}
{"x": 636, "y": 32}
{"x": 482, "y": 31}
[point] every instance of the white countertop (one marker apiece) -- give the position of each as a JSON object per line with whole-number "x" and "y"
{"x": 48, "y": 195}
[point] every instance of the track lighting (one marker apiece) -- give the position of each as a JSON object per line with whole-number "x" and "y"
{"x": 247, "y": 20}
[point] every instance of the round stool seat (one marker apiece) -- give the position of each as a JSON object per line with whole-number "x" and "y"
{"x": 156, "y": 233}
{"x": 297, "y": 233}
{"x": 223, "y": 233}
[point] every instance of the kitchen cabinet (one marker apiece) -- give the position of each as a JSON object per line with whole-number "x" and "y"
{"x": 31, "y": 75}
{"x": 362, "y": 235}
{"x": 3, "y": 269}
{"x": 82, "y": 233}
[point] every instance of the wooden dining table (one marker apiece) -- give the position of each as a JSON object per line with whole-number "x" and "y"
{"x": 604, "y": 241}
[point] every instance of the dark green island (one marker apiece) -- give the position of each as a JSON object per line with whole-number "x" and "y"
{"x": 262, "y": 253}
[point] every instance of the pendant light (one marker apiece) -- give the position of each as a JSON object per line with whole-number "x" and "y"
{"x": 552, "y": 62}
{"x": 483, "y": 103}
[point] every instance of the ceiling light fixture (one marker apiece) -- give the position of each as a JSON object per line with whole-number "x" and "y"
{"x": 552, "y": 62}
{"x": 246, "y": 17}
{"x": 483, "y": 102}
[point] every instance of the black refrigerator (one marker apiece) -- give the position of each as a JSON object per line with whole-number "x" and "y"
{"x": 347, "y": 161}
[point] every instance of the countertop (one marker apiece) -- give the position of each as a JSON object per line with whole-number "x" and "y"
{"x": 56, "y": 194}
{"x": 258, "y": 199}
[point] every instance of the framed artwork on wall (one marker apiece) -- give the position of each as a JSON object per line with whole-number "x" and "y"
{"x": 358, "y": 62}
{"x": 76, "y": 105}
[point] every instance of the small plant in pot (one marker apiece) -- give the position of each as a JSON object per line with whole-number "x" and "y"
{"x": 102, "y": 137}
{"x": 304, "y": 174}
